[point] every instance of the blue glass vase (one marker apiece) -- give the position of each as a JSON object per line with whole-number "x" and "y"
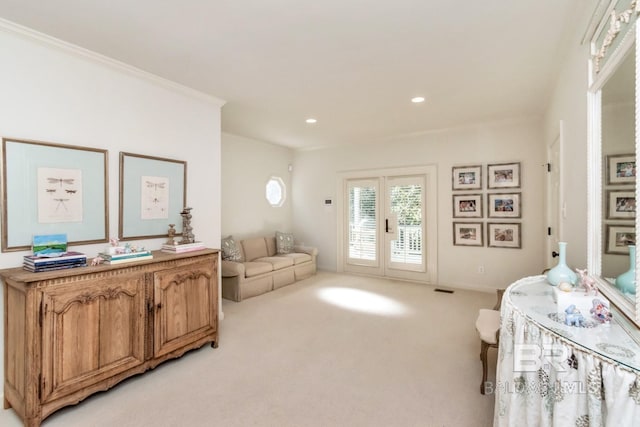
{"x": 561, "y": 272}
{"x": 626, "y": 282}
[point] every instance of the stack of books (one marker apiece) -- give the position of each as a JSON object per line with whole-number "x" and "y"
{"x": 125, "y": 257}
{"x": 183, "y": 247}
{"x": 61, "y": 261}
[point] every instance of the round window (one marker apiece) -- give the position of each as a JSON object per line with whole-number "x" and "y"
{"x": 275, "y": 191}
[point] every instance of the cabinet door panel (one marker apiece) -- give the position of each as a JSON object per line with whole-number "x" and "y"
{"x": 120, "y": 314}
{"x": 91, "y": 330}
{"x": 78, "y": 327}
{"x": 185, "y": 301}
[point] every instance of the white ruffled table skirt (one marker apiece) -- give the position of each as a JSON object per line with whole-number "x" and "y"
{"x": 545, "y": 379}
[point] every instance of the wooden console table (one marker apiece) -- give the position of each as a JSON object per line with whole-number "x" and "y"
{"x": 71, "y": 333}
{"x": 553, "y": 374}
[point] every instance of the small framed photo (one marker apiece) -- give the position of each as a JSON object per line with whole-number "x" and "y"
{"x": 503, "y": 175}
{"x": 467, "y": 205}
{"x": 467, "y": 234}
{"x": 466, "y": 177}
{"x": 619, "y": 237}
{"x": 504, "y": 235}
{"x": 621, "y": 169}
{"x": 503, "y": 205}
{"x": 621, "y": 204}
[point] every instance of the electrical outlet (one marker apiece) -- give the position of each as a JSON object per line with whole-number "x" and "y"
{"x": 481, "y": 269}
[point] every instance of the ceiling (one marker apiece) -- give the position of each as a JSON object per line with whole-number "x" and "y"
{"x": 351, "y": 64}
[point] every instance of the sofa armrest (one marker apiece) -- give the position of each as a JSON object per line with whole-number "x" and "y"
{"x": 232, "y": 269}
{"x": 306, "y": 250}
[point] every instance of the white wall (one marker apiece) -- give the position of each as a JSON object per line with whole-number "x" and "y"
{"x": 315, "y": 178}
{"x": 247, "y": 166}
{"x": 51, "y": 92}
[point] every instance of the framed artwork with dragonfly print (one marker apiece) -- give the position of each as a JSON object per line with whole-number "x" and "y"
{"x": 153, "y": 192}
{"x": 51, "y": 188}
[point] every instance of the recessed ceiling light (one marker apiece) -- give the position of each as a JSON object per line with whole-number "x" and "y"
{"x": 311, "y": 121}
{"x": 417, "y": 99}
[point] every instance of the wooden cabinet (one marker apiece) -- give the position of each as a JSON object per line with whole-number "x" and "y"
{"x": 73, "y": 332}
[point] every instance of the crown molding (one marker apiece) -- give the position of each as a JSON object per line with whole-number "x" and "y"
{"x": 49, "y": 41}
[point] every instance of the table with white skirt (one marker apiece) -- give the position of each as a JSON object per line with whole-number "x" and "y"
{"x": 553, "y": 374}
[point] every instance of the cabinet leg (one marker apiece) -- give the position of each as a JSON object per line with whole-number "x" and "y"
{"x": 214, "y": 344}
{"x": 7, "y": 405}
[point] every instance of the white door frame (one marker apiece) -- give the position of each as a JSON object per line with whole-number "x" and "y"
{"x": 560, "y": 214}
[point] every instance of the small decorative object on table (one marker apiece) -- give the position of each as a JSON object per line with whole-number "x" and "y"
{"x": 573, "y": 316}
{"x": 566, "y": 295}
{"x": 561, "y": 272}
{"x": 171, "y": 234}
{"x": 187, "y": 230}
{"x": 565, "y": 286}
{"x": 600, "y": 311}
{"x": 587, "y": 282}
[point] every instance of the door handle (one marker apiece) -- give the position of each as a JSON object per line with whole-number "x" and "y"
{"x": 386, "y": 225}
{"x": 554, "y": 254}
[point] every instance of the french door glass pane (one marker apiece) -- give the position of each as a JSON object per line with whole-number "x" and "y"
{"x": 362, "y": 222}
{"x": 406, "y": 203}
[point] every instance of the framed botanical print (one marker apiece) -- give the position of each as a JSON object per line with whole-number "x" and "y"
{"x": 503, "y": 175}
{"x": 503, "y": 205}
{"x": 153, "y": 193}
{"x": 467, "y": 234}
{"x": 48, "y": 188}
{"x": 466, "y": 177}
{"x": 467, "y": 205}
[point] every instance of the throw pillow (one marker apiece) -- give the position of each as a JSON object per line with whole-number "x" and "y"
{"x": 284, "y": 242}
{"x": 230, "y": 250}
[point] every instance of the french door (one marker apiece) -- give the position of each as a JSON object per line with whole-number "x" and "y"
{"x": 389, "y": 225}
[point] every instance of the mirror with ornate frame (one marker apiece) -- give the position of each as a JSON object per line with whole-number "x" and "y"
{"x": 613, "y": 143}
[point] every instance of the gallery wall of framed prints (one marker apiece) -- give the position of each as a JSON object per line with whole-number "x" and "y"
{"x": 503, "y": 205}
{"x": 619, "y": 203}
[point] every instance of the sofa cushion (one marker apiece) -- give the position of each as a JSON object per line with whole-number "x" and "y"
{"x": 284, "y": 243}
{"x": 277, "y": 262}
{"x": 254, "y": 268}
{"x": 230, "y": 250}
{"x": 254, "y": 248}
{"x": 271, "y": 245}
{"x": 298, "y": 258}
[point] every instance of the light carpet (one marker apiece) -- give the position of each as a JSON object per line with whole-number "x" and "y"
{"x": 331, "y": 350}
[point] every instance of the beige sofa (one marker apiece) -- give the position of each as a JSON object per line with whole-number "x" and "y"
{"x": 264, "y": 270}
